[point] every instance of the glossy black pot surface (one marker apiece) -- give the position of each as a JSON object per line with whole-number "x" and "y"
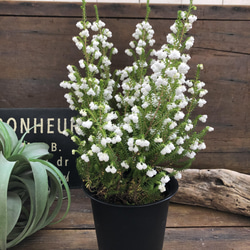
{"x": 124, "y": 227}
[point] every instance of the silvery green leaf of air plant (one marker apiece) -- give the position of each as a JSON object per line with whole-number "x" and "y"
{"x": 35, "y": 150}
{"x": 6, "y": 168}
{"x": 14, "y": 207}
{"x": 8, "y": 139}
{"x": 25, "y": 175}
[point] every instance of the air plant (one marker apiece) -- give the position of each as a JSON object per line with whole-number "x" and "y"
{"x": 31, "y": 188}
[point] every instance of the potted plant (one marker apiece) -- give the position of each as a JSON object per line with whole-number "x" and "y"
{"x": 31, "y": 188}
{"x": 132, "y": 123}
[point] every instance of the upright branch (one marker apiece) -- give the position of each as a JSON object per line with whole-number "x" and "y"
{"x": 135, "y": 122}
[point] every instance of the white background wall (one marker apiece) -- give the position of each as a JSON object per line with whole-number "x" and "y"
{"x": 196, "y": 2}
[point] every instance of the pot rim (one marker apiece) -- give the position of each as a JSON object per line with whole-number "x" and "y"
{"x": 173, "y": 188}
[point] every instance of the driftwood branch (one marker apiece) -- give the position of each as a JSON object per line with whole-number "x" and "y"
{"x": 220, "y": 189}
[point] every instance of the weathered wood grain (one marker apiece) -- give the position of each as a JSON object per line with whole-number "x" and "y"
{"x": 177, "y": 239}
{"x": 239, "y": 161}
{"x": 36, "y": 47}
{"x": 60, "y": 239}
{"x": 35, "y": 52}
{"x": 31, "y": 8}
{"x": 220, "y": 189}
{"x": 80, "y": 215}
{"x": 188, "y": 227}
{"x": 183, "y": 229}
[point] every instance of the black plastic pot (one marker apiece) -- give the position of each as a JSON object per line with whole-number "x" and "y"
{"x": 121, "y": 227}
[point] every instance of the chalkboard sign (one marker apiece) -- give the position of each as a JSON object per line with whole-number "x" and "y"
{"x": 49, "y": 125}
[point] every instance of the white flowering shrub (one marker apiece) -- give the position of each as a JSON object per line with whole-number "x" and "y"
{"x": 135, "y": 122}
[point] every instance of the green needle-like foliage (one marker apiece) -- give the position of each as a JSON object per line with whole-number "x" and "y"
{"x": 31, "y": 188}
{"x": 136, "y": 123}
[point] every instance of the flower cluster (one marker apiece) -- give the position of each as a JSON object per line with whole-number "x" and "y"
{"x": 134, "y": 123}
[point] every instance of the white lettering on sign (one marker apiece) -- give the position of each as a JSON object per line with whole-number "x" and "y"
{"x": 61, "y": 161}
{"x": 38, "y": 125}
{"x": 49, "y": 125}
